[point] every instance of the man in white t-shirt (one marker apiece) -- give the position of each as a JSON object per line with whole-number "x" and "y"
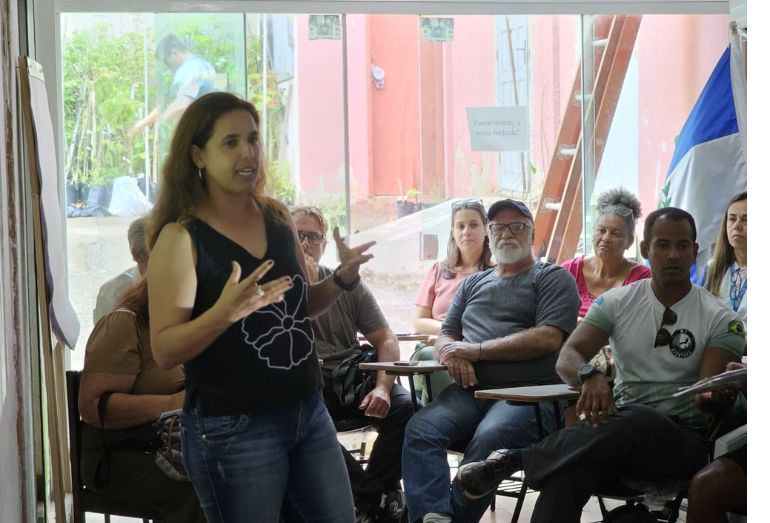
{"x": 113, "y": 289}
{"x": 665, "y": 333}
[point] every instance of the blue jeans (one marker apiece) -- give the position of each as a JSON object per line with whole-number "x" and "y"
{"x": 458, "y": 421}
{"x": 244, "y": 467}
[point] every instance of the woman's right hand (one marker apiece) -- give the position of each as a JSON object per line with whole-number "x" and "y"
{"x": 241, "y": 298}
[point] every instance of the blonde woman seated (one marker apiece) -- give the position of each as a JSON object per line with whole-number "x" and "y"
{"x": 617, "y": 211}
{"x": 118, "y": 360}
{"x": 467, "y": 252}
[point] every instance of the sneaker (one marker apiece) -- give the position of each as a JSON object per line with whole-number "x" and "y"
{"x": 479, "y": 478}
{"x": 392, "y": 507}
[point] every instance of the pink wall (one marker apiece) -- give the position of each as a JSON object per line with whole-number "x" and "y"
{"x": 469, "y": 82}
{"x": 395, "y": 118}
{"x": 676, "y": 55}
{"x": 319, "y": 73}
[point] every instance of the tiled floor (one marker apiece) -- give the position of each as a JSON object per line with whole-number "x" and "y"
{"x": 502, "y": 514}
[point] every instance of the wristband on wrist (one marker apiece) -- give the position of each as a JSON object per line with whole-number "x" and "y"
{"x": 341, "y": 284}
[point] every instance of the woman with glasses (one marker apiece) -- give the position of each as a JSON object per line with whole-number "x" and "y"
{"x": 617, "y": 211}
{"x": 229, "y": 298}
{"x": 726, "y": 274}
{"x": 467, "y": 252}
{"x": 616, "y": 216}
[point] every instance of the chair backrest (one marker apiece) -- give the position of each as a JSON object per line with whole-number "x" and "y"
{"x": 73, "y": 429}
{"x": 83, "y": 500}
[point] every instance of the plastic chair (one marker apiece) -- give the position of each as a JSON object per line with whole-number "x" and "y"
{"x": 84, "y": 500}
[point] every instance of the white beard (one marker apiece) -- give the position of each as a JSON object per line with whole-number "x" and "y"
{"x": 508, "y": 254}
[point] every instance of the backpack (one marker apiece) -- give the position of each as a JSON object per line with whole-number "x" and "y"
{"x": 351, "y": 384}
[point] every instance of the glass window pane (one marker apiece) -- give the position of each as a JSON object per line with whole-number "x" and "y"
{"x": 414, "y": 154}
{"x": 126, "y": 79}
{"x": 634, "y": 135}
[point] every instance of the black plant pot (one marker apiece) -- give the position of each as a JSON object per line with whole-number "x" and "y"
{"x": 405, "y": 208}
{"x": 99, "y": 196}
{"x": 73, "y": 194}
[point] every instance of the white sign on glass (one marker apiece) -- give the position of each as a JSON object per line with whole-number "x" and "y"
{"x": 498, "y": 128}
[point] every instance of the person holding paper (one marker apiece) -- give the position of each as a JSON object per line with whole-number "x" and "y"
{"x": 719, "y": 487}
{"x": 665, "y": 333}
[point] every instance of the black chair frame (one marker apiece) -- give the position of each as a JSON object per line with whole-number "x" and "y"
{"x": 84, "y": 500}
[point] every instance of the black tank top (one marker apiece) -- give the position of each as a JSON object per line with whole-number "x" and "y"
{"x": 266, "y": 359}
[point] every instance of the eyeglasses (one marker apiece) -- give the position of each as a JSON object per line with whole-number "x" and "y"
{"x": 615, "y": 208}
{"x": 664, "y": 337}
{"x": 515, "y": 227}
{"x": 312, "y": 237}
{"x": 470, "y": 202}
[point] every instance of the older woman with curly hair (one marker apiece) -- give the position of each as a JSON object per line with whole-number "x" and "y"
{"x": 617, "y": 211}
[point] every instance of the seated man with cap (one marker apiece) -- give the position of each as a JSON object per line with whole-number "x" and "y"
{"x": 504, "y": 329}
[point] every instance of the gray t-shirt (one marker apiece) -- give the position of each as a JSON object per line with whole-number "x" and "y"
{"x": 336, "y": 330}
{"x": 487, "y": 306}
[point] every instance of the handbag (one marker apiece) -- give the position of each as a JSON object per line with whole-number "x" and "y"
{"x": 162, "y": 437}
{"x": 169, "y": 456}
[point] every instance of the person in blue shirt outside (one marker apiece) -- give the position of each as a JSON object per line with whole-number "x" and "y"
{"x": 193, "y": 77}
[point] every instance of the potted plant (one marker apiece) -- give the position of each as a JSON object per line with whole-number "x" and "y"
{"x": 405, "y": 206}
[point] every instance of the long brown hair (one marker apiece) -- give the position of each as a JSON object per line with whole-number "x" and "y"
{"x": 724, "y": 254}
{"x": 182, "y": 188}
{"x": 135, "y": 299}
{"x": 454, "y": 257}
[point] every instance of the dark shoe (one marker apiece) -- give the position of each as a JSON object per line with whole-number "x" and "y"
{"x": 362, "y": 517}
{"x": 392, "y": 508}
{"x": 479, "y": 478}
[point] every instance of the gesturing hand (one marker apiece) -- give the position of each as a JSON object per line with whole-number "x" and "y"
{"x": 351, "y": 258}
{"x": 241, "y": 298}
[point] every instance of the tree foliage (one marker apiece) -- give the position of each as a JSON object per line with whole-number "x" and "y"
{"x": 103, "y": 93}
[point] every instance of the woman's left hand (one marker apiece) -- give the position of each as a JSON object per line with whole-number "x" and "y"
{"x": 351, "y": 258}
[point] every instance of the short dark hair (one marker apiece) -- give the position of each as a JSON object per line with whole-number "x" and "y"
{"x": 672, "y": 213}
{"x": 167, "y": 44}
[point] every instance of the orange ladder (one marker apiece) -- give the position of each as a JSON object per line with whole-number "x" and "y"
{"x": 559, "y": 215}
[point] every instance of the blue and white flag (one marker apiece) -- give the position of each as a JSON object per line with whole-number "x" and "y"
{"x": 709, "y": 163}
